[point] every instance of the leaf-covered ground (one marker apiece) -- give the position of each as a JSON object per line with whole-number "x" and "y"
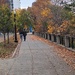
{"x": 7, "y": 50}
{"x": 67, "y": 55}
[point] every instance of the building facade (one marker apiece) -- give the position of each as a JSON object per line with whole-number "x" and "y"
{"x": 16, "y": 4}
{"x": 3, "y": 2}
{"x": 12, "y": 4}
{"x": 8, "y": 2}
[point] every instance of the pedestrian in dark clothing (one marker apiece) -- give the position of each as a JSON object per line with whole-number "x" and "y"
{"x": 21, "y": 34}
{"x": 24, "y": 34}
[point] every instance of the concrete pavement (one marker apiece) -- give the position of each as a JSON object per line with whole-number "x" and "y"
{"x": 35, "y": 58}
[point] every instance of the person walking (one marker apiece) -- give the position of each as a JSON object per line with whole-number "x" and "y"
{"x": 24, "y": 34}
{"x": 21, "y": 34}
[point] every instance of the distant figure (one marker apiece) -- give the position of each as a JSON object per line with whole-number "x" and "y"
{"x": 24, "y": 34}
{"x": 32, "y": 31}
{"x": 21, "y": 34}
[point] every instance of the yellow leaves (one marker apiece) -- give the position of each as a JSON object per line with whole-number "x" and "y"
{"x": 45, "y": 12}
{"x": 50, "y": 29}
{"x": 50, "y": 26}
{"x": 73, "y": 20}
{"x": 18, "y": 12}
{"x": 25, "y": 26}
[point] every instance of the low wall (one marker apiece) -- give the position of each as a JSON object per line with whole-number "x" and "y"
{"x": 67, "y": 41}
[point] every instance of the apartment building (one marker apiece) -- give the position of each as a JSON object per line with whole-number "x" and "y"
{"x": 9, "y": 2}
{"x": 16, "y": 4}
{"x": 3, "y": 2}
{"x": 13, "y": 4}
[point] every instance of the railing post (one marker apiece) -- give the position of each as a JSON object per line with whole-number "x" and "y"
{"x": 41, "y": 34}
{"x": 45, "y": 35}
{"x": 48, "y": 36}
{"x": 38, "y": 34}
{"x": 72, "y": 42}
{"x": 67, "y": 41}
{"x": 62, "y": 40}
{"x": 57, "y": 39}
{"x": 52, "y": 38}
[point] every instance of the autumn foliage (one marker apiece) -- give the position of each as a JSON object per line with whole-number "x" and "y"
{"x": 52, "y": 18}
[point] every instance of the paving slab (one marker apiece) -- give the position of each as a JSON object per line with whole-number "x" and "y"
{"x": 35, "y": 58}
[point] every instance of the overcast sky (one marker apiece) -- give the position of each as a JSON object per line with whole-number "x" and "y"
{"x": 26, "y": 3}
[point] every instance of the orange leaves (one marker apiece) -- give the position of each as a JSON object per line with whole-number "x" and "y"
{"x": 38, "y": 28}
{"x": 57, "y": 20}
{"x": 40, "y": 9}
{"x": 45, "y": 12}
{"x": 64, "y": 26}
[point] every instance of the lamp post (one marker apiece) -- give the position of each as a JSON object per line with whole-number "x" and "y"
{"x": 15, "y": 40}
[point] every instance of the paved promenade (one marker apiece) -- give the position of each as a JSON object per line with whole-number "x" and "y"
{"x": 35, "y": 58}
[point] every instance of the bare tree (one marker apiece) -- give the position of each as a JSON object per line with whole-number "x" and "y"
{"x": 57, "y": 2}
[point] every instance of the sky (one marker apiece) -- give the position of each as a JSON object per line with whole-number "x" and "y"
{"x": 26, "y": 3}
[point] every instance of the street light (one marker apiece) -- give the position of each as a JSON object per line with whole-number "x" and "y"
{"x": 15, "y": 40}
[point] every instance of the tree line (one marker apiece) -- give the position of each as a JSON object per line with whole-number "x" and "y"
{"x": 22, "y": 20}
{"x": 43, "y": 16}
{"x": 53, "y": 18}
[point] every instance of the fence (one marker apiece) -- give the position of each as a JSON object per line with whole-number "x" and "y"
{"x": 67, "y": 41}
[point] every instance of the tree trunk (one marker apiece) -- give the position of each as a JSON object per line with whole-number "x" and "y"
{"x": 8, "y": 37}
{"x": 4, "y": 39}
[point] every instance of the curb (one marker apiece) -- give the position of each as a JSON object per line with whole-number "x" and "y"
{"x": 16, "y": 50}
